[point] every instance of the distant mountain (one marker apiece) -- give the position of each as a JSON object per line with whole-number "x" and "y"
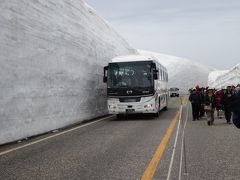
{"x": 220, "y": 79}
{"x": 183, "y": 73}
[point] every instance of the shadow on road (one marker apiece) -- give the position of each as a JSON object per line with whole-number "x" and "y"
{"x": 139, "y": 117}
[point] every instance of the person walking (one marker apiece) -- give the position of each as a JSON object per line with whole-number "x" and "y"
{"x": 235, "y": 107}
{"x": 218, "y": 102}
{"x": 202, "y": 111}
{"x": 194, "y": 99}
{"x": 226, "y": 100}
{"x": 210, "y": 106}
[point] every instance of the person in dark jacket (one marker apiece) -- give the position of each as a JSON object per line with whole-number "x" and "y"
{"x": 194, "y": 99}
{"x": 210, "y": 106}
{"x": 235, "y": 108}
{"x": 202, "y": 111}
{"x": 226, "y": 100}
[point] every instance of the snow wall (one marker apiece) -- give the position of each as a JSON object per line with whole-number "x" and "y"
{"x": 52, "y": 55}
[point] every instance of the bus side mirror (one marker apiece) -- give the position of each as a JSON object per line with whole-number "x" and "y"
{"x": 105, "y": 69}
{"x": 155, "y": 74}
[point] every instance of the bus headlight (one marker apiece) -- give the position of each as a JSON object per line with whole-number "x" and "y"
{"x": 148, "y": 106}
{"x": 112, "y": 106}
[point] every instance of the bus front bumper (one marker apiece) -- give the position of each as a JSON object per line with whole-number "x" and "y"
{"x": 115, "y": 107}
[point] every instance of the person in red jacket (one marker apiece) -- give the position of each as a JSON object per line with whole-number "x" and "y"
{"x": 218, "y": 101}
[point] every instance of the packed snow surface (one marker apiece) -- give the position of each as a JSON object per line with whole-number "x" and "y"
{"x": 182, "y": 72}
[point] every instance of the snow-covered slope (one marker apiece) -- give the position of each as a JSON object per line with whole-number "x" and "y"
{"x": 212, "y": 77}
{"x": 52, "y": 54}
{"x": 183, "y": 73}
{"x": 219, "y": 79}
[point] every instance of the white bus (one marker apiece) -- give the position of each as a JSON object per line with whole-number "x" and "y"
{"x": 136, "y": 84}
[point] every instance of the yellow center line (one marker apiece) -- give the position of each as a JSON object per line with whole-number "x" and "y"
{"x": 151, "y": 168}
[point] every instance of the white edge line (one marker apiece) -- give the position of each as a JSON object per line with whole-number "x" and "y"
{"x": 183, "y": 133}
{"x": 52, "y": 136}
{"x": 174, "y": 147}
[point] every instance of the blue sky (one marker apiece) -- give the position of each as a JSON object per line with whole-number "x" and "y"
{"x": 206, "y": 31}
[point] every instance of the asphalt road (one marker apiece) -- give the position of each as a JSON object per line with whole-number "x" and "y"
{"x": 123, "y": 149}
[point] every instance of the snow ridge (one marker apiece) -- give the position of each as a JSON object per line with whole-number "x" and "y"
{"x": 182, "y": 72}
{"x": 221, "y": 79}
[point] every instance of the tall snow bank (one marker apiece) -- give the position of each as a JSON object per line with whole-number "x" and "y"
{"x": 52, "y": 55}
{"x": 220, "y": 79}
{"x": 182, "y": 72}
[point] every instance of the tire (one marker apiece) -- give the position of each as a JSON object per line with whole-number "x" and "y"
{"x": 120, "y": 116}
{"x": 165, "y": 108}
{"x": 157, "y": 113}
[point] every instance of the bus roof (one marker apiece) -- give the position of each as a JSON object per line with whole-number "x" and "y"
{"x": 132, "y": 58}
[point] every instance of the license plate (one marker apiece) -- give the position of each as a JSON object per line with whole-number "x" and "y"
{"x": 130, "y": 110}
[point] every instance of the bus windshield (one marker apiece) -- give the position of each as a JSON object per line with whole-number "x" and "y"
{"x": 174, "y": 89}
{"x": 130, "y": 75}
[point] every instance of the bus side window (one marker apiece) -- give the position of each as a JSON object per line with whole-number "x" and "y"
{"x": 160, "y": 74}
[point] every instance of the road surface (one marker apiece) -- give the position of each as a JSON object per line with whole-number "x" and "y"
{"x": 170, "y": 146}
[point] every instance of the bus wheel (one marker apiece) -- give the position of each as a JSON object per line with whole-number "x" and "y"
{"x": 120, "y": 116}
{"x": 156, "y": 114}
{"x": 165, "y": 108}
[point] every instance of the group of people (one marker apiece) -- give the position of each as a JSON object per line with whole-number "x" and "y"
{"x": 206, "y": 100}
